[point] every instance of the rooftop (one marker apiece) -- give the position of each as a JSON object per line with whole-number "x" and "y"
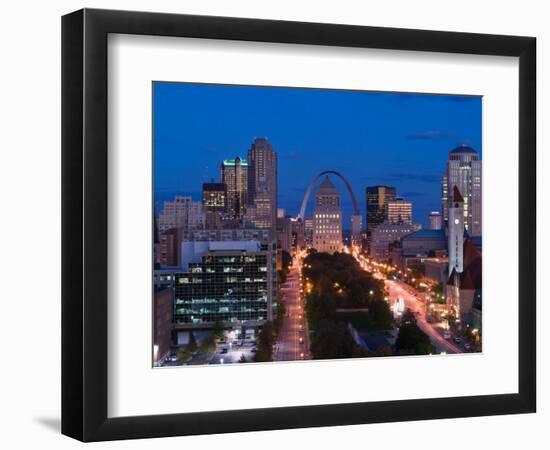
{"x": 426, "y": 234}
{"x": 231, "y": 162}
{"x": 463, "y": 148}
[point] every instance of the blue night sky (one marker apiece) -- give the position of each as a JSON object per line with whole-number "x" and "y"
{"x": 397, "y": 139}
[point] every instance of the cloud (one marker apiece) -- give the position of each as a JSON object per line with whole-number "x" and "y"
{"x": 432, "y": 134}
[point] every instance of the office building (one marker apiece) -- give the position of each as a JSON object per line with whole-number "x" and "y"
{"x": 234, "y": 175}
{"x": 399, "y": 211}
{"x": 214, "y": 197}
{"x": 377, "y": 198}
{"x": 231, "y": 281}
{"x": 435, "y": 220}
{"x": 327, "y": 218}
{"x": 182, "y": 212}
{"x": 463, "y": 170}
{"x": 386, "y": 234}
{"x": 308, "y": 231}
{"x": 262, "y": 184}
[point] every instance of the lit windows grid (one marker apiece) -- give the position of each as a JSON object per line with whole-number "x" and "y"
{"x": 231, "y": 288}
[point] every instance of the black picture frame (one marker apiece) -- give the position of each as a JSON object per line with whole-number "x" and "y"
{"x": 84, "y": 224}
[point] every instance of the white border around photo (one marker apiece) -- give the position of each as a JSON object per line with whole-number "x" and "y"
{"x": 136, "y": 389}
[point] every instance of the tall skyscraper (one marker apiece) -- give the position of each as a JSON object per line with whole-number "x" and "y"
{"x": 435, "y": 220}
{"x": 399, "y": 211}
{"x": 377, "y": 198}
{"x": 234, "y": 174}
{"x": 327, "y": 218}
{"x": 463, "y": 170}
{"x": 456, "y": 232}
{"x": 262, "y": 184}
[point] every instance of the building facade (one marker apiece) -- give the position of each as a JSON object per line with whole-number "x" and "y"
{"x": 327, "y": 218}
{"x": 463, "y": 170}
{"x": 399, "y": 211}
{"x": 234, "y": 175}
{"x": 183, "y": 213}
{"x": 262, "y": 184}
{"x": 233, "y": 283}
{"x": 214, "y": 197}
{"x": 377, "y": 199}
{"x": 435, "y": 220}
{"x": 162, "y": 324}
{"x": 455, "y": 233}
{"x": 387, "y": 233}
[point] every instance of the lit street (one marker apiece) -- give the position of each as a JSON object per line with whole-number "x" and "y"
{"x": 293, "y": 343}
{"x": 397, "y": 290}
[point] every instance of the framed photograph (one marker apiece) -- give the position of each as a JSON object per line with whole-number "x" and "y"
{"x": 273, "y": 224}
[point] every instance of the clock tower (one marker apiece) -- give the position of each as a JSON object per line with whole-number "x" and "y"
{"x": 456, "y": 232}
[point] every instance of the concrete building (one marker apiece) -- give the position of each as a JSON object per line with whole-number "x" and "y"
{"x": 308, "y": 231}
{"x": 436, "y": 269}
{"x": 435, "y": 220}
{"x": 162, "y": 324}
{"x": 424, "y": 243}
{"x": 234, "y": 175}
{"x": 327, "y": 218}
{"x": 399, "y": 211}
{"x": 262, "y": 184}
{"x": 388, "y": 233}
{"x": 463, "y": 170}
{"x": 298, "y": 239}
{"x": 284, "y": 231}
{"x": 168, "y": 247}
{"x": 464, "y": 289}
{"x": 231, "y": 281}
{"x": 183, "y": 213}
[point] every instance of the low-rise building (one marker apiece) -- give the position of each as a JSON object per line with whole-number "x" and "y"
{"x": 385, "y": 234}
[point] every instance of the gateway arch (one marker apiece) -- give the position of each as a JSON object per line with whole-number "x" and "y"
{"x": 356, "y": 216}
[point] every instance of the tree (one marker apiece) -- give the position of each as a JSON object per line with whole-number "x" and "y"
{"x": 183, "y": 354}
{"x": 218, "y": 330}
{"x": 332, "y": 340}
{"x": 380, "y": 315}
{"x": 191, "y": 346}
{"x": 208, "y": 344}
{"x": 286, "y": 262}
{"x": 278, "y": 322}
{"x": 320, "y": 307}
{"x": 264, "y": 349}
{"x": 411, "y": 340}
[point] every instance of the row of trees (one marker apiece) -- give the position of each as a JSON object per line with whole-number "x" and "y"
{"x": 286, "y": 262}
{"x": 335, "y": 282}
{"x": 340, "y": 276}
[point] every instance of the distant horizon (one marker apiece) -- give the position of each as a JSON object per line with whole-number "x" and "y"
{"x": 371, "y": 138}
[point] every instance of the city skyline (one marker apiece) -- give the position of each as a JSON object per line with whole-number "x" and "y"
{"x": 197, "y": 126}
{"x": 264, "y": 254}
